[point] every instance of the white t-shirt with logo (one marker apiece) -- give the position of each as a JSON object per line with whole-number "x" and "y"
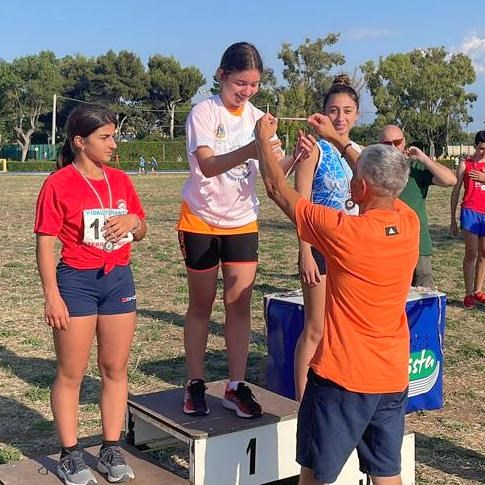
{"x": 229, "y": 199}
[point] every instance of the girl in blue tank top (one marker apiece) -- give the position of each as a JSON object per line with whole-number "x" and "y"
{"x": 331, "y": 180}
{"x": 324, "y": 178}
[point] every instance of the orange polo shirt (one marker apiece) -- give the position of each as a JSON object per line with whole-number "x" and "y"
{"x": 370, "y": 261}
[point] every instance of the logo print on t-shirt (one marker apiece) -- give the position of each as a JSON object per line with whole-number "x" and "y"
{"x": 391, "y": 231}
{"x": 220, "y": 132}
{"x": 240, "y": 172}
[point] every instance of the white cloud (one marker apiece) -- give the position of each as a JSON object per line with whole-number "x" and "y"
{"x": 474, "y": 47}
{"x": 361, "y": 33}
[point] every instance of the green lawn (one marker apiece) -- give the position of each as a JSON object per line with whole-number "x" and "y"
{"x": 450, "y": 442}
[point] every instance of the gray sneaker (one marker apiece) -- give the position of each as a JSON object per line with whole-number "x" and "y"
{"x": 74, "y": 471}
{"x": 112, "y": 462}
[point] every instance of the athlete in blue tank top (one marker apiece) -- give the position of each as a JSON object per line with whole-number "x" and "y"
{"x": 331, "y": 182}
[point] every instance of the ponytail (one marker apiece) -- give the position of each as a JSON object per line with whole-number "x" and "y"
{"x": 82, "y": 121}
{"x": 66, "y": 155}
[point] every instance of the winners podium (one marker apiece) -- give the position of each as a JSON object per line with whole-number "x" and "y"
{"x": 227, "y": 450}
{"x": 223, "y": 448}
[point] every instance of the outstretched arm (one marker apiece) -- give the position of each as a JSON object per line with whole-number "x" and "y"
{"x": 272, "y": 173}
{"x": 326, "y": 130}
{"x": 442, "y": 176}
{"x": 212, "y": 165}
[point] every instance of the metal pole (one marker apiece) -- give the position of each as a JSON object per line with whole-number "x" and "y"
{"x": 54, "y": 110}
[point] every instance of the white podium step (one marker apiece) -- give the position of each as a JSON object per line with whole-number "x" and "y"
{"x": 224, "y": 449}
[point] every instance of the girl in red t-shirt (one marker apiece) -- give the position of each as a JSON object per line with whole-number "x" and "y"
{"x": 95, "y": 212}
{"x": 471, "y": 174}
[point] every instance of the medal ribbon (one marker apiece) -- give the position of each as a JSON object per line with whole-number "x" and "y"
{"x": 110, "y": 259}
{"x": 349, "y": 204}
{"x": 95, "y": 191}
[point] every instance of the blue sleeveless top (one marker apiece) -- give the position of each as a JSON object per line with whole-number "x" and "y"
{"x": 331, "y": 181}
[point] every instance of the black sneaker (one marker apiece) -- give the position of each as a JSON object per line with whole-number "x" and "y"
{"x": 242, "y": 401}
{"x": 74, "y": 471}
{"x": 194, "y": 398}
{"x": 112, "y": 463}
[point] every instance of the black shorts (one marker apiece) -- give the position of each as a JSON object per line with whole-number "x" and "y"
{"x": 204, "y": 251}
{"x": 319, "y": 259}
{"x": 333, "y": 421}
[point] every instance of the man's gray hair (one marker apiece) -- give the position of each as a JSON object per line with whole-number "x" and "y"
{"x": 385, "y": 168}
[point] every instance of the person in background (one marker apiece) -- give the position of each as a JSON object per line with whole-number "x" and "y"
{"x": 218, "y": 224}
{"x": 424, "y": 172}
{"x": 324, "y": 179}
{"x": 471, "y": 174}
{"x": 141, "y": 166}
{"x": 94, "y": 211}
{"x": 357, "y": 384}
{"x": 153, "y": 164}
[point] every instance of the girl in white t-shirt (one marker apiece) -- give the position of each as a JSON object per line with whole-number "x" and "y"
{"x": 218, "y": 223}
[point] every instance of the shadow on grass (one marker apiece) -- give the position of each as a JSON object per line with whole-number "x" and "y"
{"x": 40, "y": 374}
{"x": 440, "y": 235}
{"x": 266, "y": 289}
{"x": 453, "y": 302}
{"x": 450, "y": 458}
{"x": 173, "y": 370}
{"x": 271, "y": 224}
{"x": 21, "y": 426}
{"x": 215, "y": 328}
{"x": 177, "y": 319}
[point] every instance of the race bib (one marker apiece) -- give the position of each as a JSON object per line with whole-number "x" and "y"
{"x": 93, "y": 223}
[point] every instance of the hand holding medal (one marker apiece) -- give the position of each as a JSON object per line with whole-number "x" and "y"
{"x": 118, "y": 227}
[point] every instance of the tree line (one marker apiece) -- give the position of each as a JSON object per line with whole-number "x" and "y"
{"x": 424, "y": 91}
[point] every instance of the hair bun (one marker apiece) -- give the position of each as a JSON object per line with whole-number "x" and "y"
{"x": 342, "y": 79}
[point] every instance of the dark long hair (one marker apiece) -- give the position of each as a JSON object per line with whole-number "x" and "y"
{"x": 241, "y": 56}
{"x": 341, "y": 85}
{"x": 82, "y": 121}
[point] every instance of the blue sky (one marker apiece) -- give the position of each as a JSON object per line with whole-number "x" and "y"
{"x": 197, "y": 32}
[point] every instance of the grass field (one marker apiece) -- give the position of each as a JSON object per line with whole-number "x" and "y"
{"x": 449, "y": 443}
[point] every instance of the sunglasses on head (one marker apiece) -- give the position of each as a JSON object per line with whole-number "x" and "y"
{"x": 392, "y": 142}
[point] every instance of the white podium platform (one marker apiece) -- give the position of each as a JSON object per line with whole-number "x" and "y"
{"x": 224, "y": 449}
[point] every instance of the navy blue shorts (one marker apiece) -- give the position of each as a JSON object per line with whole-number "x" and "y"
{"x": 319, "y": 260}
{"x": 332, "y": 422}
{"x": 204, "y": 251}
{"x": 473, "y": 221}
{"x": 92, "y": 292}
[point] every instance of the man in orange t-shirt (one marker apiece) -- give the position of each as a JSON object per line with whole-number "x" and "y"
{"x": 357, "y": 383}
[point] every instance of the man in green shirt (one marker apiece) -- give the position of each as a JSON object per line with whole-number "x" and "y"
{"x": 423, "y": 172}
